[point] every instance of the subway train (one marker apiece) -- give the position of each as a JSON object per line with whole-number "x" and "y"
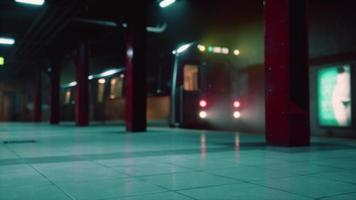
{"x": 206, "y": 91}
{"x": 205, "y": 87}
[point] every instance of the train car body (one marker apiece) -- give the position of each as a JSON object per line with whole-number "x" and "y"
{"x": 107, "y": 99}
{"x": 205, "y": 90}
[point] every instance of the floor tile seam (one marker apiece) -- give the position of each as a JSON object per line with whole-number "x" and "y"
{"x": 94, "y": 157}
{"x": 113, "y": 168}
{"x": 32, "y": 160}
{"x": 331, "y": 166}
{"x": 279, "y": 189}
{"x": 12, "y": 186}
{"x": 206, "y": 186}
{"x": 222, "y": 176}
{"x": 171, "y": 190}
{"x": 131, "y": 195}
{"x": 18, "y": 173}
{"x": 190, "y": 197}
{"x": 317, "y": 173}
{"x": 301, "y": 173}
{"x": 218, "y": 168}
{"x": 43, "y": 168}
{"x": 128, "y": 165}
{"x": 289, "y": 162}
{"x": 116, "y": 170}
{"x": 53, "y": 183}
{"x": 134, "y": 195}
{"x": 130, "y": 175}
{"x": 331, "y": 196}
{"x": 185, "y": 167}
{"x": 125, "y": 173}
{"x": 90, "y": 179}
{"x": 19, "y": 157}
{"x": 124, "y": 179}
{"x": 92, "y": 164}
{"x": 159, "y": 174}
{"x": 279, "y": 170}
{"x": 170, "y": 173}
{"x": 335, "y": 180}
{"x": 245, "y": 180}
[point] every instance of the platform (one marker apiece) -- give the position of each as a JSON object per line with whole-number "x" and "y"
{"x": 100, "y": 162}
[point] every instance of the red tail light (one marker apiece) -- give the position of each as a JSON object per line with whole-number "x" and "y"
{"x": 237, "y": 104}
{"x": 203, "y": 103}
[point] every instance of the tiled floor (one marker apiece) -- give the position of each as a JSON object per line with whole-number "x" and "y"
{"x": 105, "y": 163}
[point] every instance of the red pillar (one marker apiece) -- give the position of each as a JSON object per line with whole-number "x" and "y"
{"x": 54, "y": 92}
{"x": 37, "y": 98}
{"x": 286, "y": 71}
{"x": 136, "y": 68}
{"x": 81, "y": 92}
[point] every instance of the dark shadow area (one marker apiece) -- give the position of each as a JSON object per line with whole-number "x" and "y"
{"x": 19, "y": 141}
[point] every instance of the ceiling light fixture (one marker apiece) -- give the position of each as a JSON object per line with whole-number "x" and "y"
{"x": 7, "y": 41}
{"x": 166, "y": 3}
{"x": 32, "y": 2}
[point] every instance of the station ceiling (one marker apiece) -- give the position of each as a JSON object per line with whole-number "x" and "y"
{"x": 54, "y": 29}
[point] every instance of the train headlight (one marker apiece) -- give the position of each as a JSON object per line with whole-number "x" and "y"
{"x": 237, "y": 104}
{"x": 237, "y": 114}
{"x": 203, "y": 103}
{"x": 201, "y": 48}
{"x": 236, "y": 52}
{"x": 203, "y": 114}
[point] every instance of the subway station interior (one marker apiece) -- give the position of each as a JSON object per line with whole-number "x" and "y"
{"x": 177, "y": 100}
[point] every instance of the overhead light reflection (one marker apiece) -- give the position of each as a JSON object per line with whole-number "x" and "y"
{"x": 203, "y": 146}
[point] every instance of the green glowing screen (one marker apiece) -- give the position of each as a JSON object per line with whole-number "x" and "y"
{"x": 2, "y": 61}
{"x": 334, "y": 96}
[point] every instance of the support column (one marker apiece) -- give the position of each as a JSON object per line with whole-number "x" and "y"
{"x": 136, "y": 68}
{"x": 81, "y": 92}
{"x": 54, "y": 92}
{"x": 37, "y": 98}
{"x": 286, "y": 72}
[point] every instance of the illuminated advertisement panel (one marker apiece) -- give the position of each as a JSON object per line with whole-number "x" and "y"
{"x": 334, "y": 96}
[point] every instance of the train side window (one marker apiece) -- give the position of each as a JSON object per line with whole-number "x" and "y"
{"x": 116, "y": 87}
{"x": 101, "y": 89}
{"x": 67, "y": 96}
{"x": 191, "y": 73}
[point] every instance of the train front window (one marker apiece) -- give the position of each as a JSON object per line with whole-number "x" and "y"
{"x": 101, "y": 89}
{"x": 67, "y": 97}
{"x": 191, "y": 77}
{"x": 219, "y": 78}
{"x": 116, "y": 85}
